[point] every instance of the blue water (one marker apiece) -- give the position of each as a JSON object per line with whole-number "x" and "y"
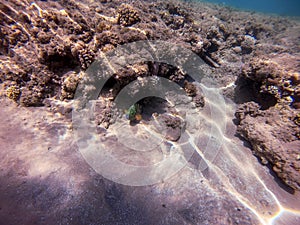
{"x": 280, "y": 7}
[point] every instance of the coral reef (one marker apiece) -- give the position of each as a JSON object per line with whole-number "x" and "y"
{"x": 45, "y": 44}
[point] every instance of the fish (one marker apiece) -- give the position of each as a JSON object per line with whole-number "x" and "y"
{"x": 134, "y": 113}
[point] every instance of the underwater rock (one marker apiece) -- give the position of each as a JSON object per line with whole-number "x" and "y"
{"x": 248, "y": 44}
{"x": 173, "y": 126}
{"x": 190, "y": 89}
{"x": 275, "y": 79}
{"x": 199, "y": 101}
{"x": 31, "y": 98}
{"x": 271, "y": 131}
{"x": 273, "y": 135}
{"x": 249, "y": 108}
{"x": 103, "y": 113}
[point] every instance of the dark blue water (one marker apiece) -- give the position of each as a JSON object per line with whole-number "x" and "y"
{"x": 280, "y": 7}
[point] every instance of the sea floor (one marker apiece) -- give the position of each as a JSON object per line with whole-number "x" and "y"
{"x": 45, "y": 180}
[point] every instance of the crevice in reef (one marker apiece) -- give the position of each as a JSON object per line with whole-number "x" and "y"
{"x": 247, "y": 90}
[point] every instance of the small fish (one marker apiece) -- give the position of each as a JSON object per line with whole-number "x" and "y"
{"x": 134, "y": 113}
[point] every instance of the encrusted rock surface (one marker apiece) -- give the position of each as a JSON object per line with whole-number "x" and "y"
{"x": 270, "y": 125}
{"x": 173, "y": 126}
{"x": 274, "y": 135}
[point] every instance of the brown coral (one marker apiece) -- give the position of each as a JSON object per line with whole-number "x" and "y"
{"x": 69, "y": 85}
{"x": 127, "y": 15}
{"x": 13, "y": 92}
{"x": 190, "y": 89}
{"x": 84, "y": 54}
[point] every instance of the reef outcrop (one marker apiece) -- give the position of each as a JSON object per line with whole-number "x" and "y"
{"x": 274, "y": 136}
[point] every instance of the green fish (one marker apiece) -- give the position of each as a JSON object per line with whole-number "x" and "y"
{"x": 133, "y": 113}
